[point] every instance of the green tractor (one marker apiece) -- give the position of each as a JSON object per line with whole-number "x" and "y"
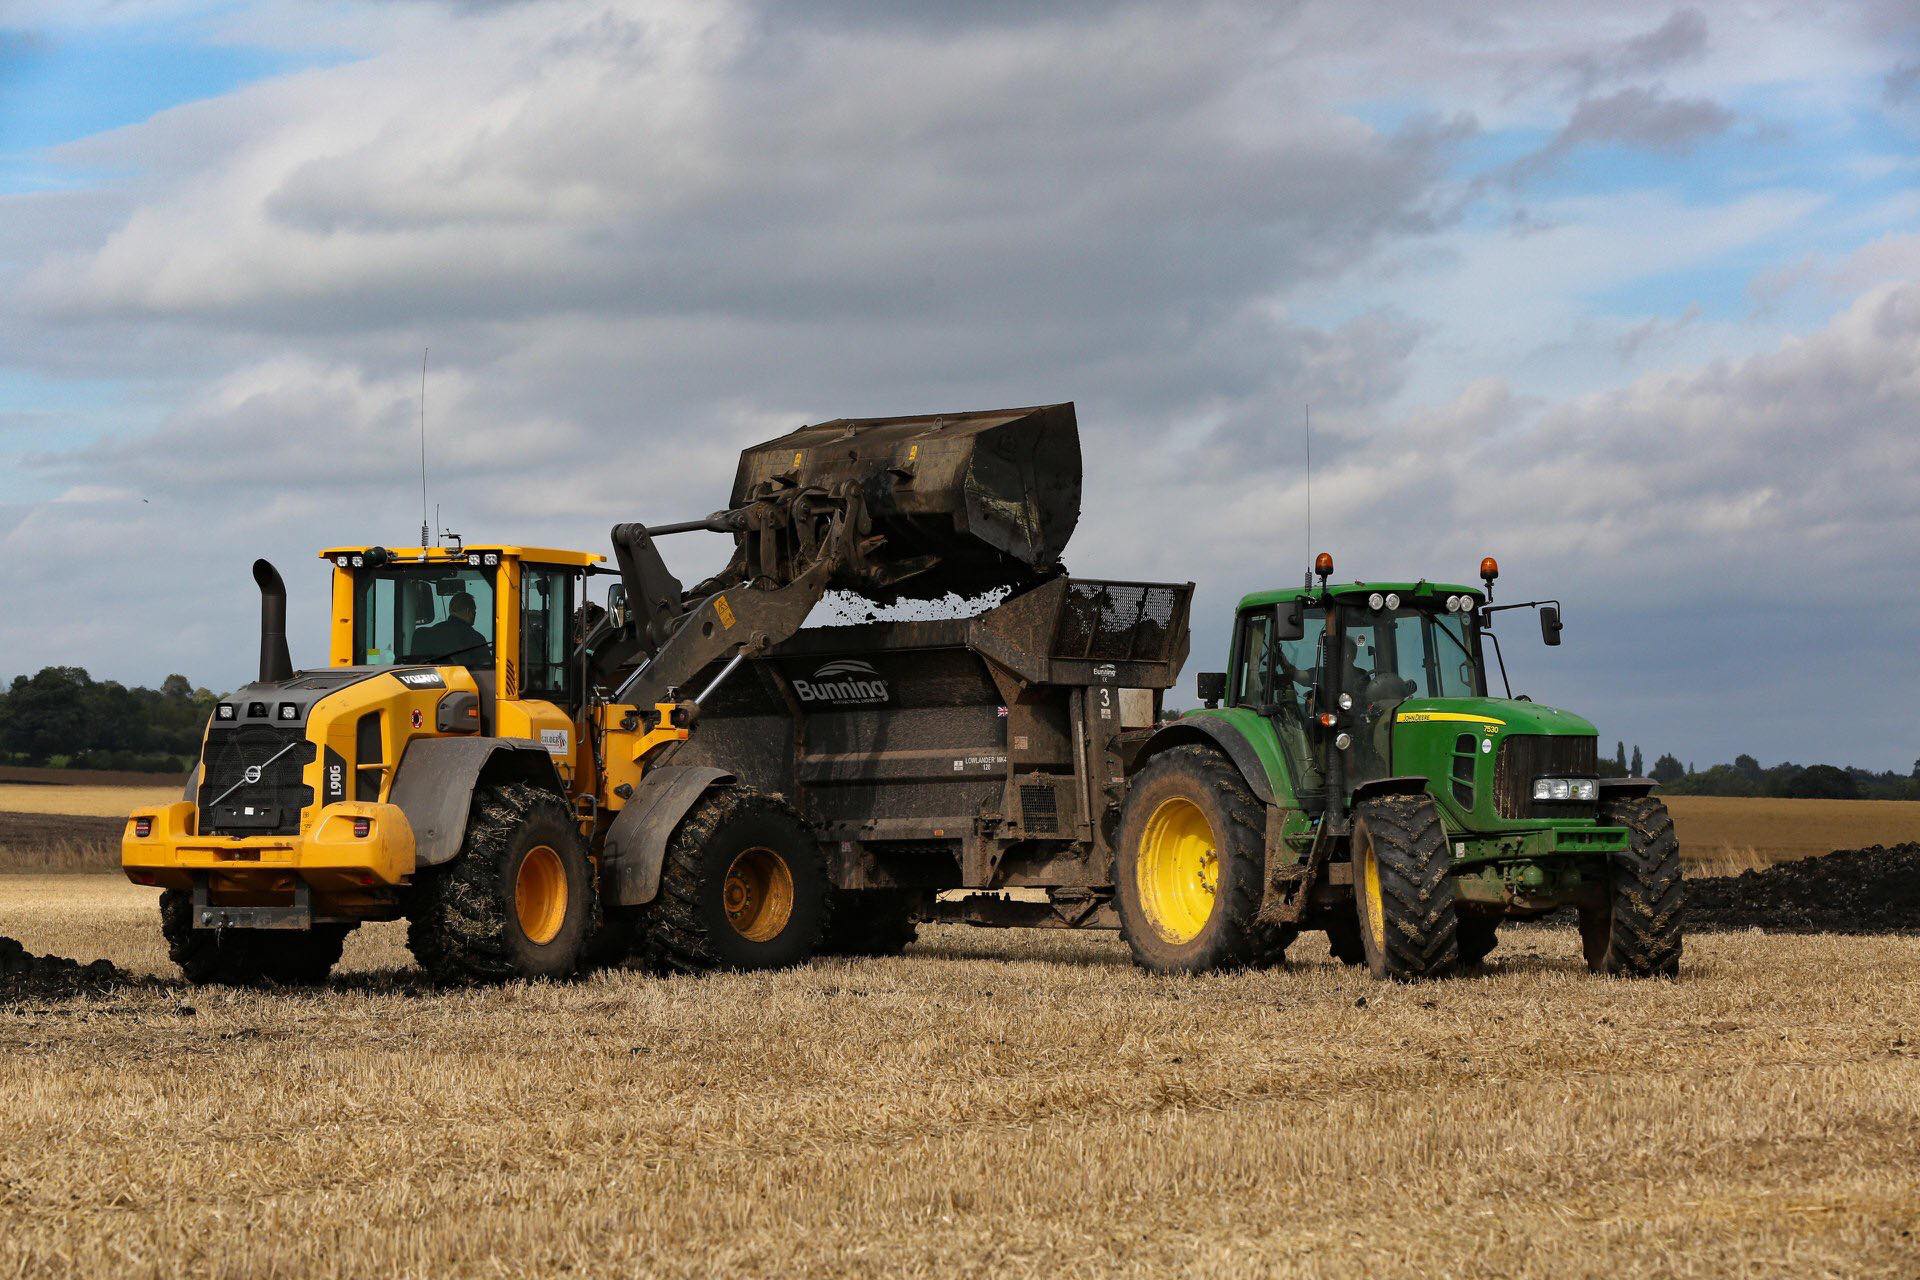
{"x": 1351, "y": 772}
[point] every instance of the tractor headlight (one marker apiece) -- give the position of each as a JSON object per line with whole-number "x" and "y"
{"x": 1393, "y": 601}
{"x": 1565, "y": 789}
{"x": 1376, "y": 600}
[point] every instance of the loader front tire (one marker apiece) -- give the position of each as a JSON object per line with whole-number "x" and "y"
{"x": 1636, "y": 930}
{"x": 1403, "y": 889}
{"x": 744, "y": 886}
{"x": 1190, "y": 868}
{"x": 247, "y": 957}
{"x": 519, "y": 900}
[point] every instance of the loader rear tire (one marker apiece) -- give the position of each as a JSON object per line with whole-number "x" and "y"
{"x": 1636, "y": 931}
{"x": 873, "y": 922}
{"x": 1190, "y": 868}
{"x": 1403, "y": 889}
{"x": 520, "y": 900}
{"x": 247, "y": 957}
{"x": 744, "y": 886}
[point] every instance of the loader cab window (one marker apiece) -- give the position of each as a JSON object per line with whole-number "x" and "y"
{"x": 438, "y": 616}
{"x": 546, "y": 639}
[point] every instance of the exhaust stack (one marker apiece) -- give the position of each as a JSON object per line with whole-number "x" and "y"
{"x": 276, "y": 664}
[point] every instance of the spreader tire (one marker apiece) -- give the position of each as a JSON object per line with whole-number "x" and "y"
{"x": 873, "y": 922}
{"x": 744, "y": 886}
{"x": 1403, "y": 890}
{"x": 1636, "y": 931}
{"x": 247, "y": 957}
{"x": 518, "y": 901}
{"x": 1191, "y": 867}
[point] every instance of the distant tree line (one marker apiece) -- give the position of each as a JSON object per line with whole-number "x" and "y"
{"x": 64, "y": 718}
{"x": 1746, "y": 776}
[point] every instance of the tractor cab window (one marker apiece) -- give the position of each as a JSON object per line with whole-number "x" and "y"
{"x": 1389, "y": 655}
{"x": 1251, "y": 689}
{"x": 436, "y": 616}
{"x": 1277, "y": 677}
{"x": 546, "y": 640}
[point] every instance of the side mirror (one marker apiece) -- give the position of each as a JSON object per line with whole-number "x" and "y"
{"x": 1212, "y": 686}
{"x": 617, "y": 605}
{"x": 1550, "y": 627}
{"x": 1290, "y": 622}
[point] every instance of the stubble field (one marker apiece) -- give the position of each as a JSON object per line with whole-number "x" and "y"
{"x": 990, "y": 1104}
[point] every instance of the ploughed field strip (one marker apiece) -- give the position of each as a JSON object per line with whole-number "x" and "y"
{"x": 1872, "y": 890}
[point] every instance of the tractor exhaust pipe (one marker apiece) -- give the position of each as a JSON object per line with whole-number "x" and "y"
{"x": 276, "y": 664}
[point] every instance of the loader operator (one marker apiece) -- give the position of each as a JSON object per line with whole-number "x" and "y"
{"x": 454, "y": 639}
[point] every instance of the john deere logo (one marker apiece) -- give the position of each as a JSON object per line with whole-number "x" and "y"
{"x": 846, "y": 682}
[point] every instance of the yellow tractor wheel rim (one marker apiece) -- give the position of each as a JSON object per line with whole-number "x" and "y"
{"x": 1178, "y": 868}
{"x": 1376, "y": 921}
{"x": 540, "y": 894}
{"x": 758, "y": 894}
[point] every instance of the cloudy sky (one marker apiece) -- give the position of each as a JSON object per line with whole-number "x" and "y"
{"x": 1628, "y": 295}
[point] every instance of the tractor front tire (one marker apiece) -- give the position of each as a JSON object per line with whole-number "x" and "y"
{"x": 247, "y": 957}
{"x": 1636, "y": 931}
{"x": 873, "y": 922}
{"x": 1190, "y": 868}
{"x": 1403, "y": 889}
{"x": 744, "y": 886}
{"x": 518, "y": 901}
{"x": 1343, "y": 940}
{"x": 1479, "y": 935}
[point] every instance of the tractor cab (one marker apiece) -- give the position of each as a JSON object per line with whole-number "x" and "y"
{"x": 1367, "y": 681}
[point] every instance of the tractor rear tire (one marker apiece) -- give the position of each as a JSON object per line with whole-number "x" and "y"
{"x": 873, "y": 922}
{"x": 247, "y": 957}
{"x": 744, "y": 886}
{"x": 1636, "y": 931}
{"x": 1190, "y": 868}
{"x": 1403, "y": 889}
{"x": 520, "y": 900}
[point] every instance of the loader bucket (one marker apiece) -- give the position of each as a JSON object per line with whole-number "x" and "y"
{"x": 966, "y": 501}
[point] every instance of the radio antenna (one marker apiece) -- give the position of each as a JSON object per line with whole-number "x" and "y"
{"x": 425, "y": 530}
{"x": 1309, "y": 486}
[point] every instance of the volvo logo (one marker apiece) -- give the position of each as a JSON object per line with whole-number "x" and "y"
{"x": 844, "y": 682}
{"x": 253, "y": 774}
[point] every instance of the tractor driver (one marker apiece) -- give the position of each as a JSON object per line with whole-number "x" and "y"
{"x": 453, "y": 639}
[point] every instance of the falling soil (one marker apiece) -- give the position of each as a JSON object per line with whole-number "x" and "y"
{"x": 25, "y": 976}
{"x": 1872, "y": 890}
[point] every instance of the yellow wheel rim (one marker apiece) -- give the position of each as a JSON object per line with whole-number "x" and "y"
{"x": 540, "y": 894}
{"x": 758, "y": 894}
{"x": 1178, "y": 867}
{"x": 1376, "y": 910}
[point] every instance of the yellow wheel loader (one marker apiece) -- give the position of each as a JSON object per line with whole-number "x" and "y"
{"x": 491, "y": 756}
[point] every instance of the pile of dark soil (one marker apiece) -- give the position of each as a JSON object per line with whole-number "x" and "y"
{"x": 25, "y": 976}
{"x": 1872, "y": 890}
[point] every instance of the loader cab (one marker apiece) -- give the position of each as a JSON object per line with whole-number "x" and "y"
{"x": 507, "y": 614}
